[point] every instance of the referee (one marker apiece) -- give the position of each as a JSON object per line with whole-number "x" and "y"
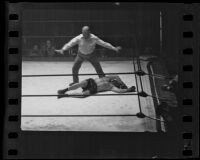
{"x": 86, "y": 51}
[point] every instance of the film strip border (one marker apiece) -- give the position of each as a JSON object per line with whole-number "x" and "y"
{"x": 12, "y": 126}
{"x": 187, "y": 84}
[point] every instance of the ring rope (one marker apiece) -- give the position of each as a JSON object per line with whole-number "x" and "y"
{"x": 65, "y": 95}
{"x": 140, "y": 79}
{"x": 154, "y": 97}
{"x": 140, "y": 94}
{"x": 140, "y": 73}
{"x": 143, "y": 73}
{"x": 94, "y": 115}
{"x": 137, "y": 86}
{"x": 86, "y": 74}
{"x": 155, "y": 119}
{"x": 77, "y": 115}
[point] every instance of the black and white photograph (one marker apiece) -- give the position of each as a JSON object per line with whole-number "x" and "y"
{"x": 99, "y": 67}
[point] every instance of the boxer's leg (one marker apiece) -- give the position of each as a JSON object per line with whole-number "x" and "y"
{"x": 73, "y": 87}
{"x": 80, "y": 94}
{"x": 76, "y": 95}
{"x": 78, "y": 85}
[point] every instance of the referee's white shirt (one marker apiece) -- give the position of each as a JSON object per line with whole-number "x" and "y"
{"x": 87, "y": 46}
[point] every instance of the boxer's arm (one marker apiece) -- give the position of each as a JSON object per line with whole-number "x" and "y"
{"x": 118, "y": 90}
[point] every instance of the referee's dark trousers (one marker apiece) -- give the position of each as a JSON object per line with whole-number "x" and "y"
{"x": 92, "y": 58}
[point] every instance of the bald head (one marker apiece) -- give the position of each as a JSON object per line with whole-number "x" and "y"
{"x": 86, "y": 32}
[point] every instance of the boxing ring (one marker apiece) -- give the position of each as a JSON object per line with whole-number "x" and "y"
{"x": 105, "y": 111}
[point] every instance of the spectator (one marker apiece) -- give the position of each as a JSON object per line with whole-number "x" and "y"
{"x": 43, "y": 49}
{"x": 172, "y": 84}
{"x": 49, "y": 48}
{"x": 35, "y": 51}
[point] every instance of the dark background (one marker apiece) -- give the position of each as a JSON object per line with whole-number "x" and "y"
{"x": 115, "y": 25}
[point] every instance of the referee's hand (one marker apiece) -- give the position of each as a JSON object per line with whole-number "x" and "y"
{"x": 59, "y": 51}
{"x": 118, "y": 48}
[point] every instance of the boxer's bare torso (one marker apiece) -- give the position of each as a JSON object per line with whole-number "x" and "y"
{"x": 103, "y": 83}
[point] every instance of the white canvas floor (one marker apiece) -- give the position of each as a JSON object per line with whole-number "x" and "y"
{"x": 94, "y": 105}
